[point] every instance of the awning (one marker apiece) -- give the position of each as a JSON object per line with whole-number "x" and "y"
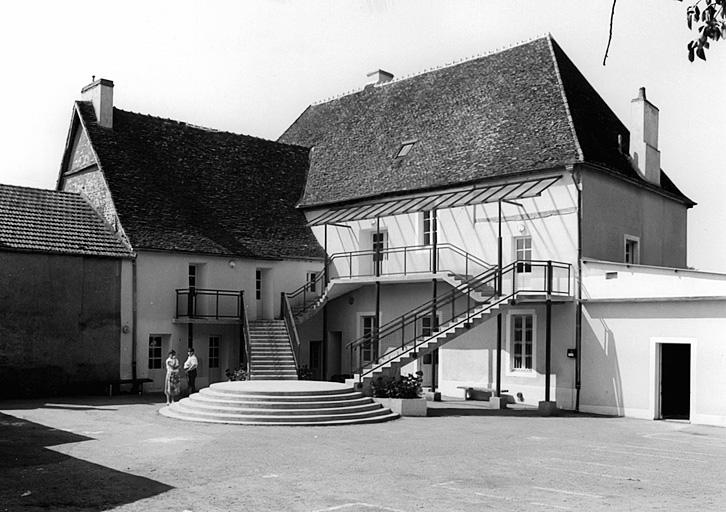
{"x": 475, "y": 194}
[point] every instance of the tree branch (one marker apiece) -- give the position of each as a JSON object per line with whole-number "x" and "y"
{"x": 610, "y": 35}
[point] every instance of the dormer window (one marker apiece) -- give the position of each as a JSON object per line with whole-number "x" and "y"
{"x": 405, "y": 148}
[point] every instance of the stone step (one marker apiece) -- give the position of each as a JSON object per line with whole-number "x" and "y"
{"x": 340, "y": 395}
{"x": 279, "y": 402}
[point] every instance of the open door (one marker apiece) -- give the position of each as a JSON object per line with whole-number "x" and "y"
{"x": 675, "y": 381}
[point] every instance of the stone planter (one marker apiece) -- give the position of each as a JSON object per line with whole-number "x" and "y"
{"x": 404, "y": 406}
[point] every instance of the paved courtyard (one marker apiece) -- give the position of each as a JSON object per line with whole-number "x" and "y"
{"x": 119, "y": 454}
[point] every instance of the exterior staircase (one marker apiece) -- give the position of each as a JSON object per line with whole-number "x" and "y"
{"x": 271, "y": 356}
{"x": 279, "y": 403}
{"x": 391, "y": 362}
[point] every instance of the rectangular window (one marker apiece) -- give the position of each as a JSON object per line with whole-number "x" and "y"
{"x": 154, "y": 352}
{"x": 523, "y": 253}
{"x": 366, "y": 352}
{"x": 426, "y": 327}
{"x": 312, "y": 276}
{"x": 258, "y": 284}
{"x": 522, "y": 342}
{"x": 214, "y": 351}
{"x": 430, "y": 227}
{"x": 192, "y": 276}
{"x": 632, "y": 249}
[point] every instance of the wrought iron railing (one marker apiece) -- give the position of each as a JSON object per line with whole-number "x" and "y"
{"x": 208, "y": 303}
{"x": 455, "y": 308}
{"x": 392, "y": 261}
{"x": 287, "y": 315}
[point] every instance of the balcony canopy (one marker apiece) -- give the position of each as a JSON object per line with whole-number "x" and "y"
{"x": 474, "y": 194}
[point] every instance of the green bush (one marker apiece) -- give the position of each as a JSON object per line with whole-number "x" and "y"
{"x": 236, "y": 374}
{"x": 398, "y": 387}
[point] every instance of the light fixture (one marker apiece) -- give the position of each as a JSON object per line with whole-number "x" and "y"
{"x": 232, "y": 263}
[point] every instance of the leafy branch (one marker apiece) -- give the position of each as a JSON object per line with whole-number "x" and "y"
{"x": 706, "y": 17}
{"x": 709, "y": 22}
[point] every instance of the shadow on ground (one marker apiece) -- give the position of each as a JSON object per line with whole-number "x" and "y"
{"x": 34, "y": 477}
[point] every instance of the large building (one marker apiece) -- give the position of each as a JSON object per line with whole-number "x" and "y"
{"x": 62, "y": 294}
{"x": 212, "y": 222}
{"x": 491, "y": 223}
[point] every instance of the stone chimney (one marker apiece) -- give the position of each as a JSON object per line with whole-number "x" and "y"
{"x": 100, "y": 93}
{"x": 379, "y": 77}
{"x": 644, "y": 137}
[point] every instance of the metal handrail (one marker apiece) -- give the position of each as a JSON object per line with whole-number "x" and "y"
{"x": 245, "y": 331}
{"x": 463, "y": 317}
{"x": 192, "y": 293}
{"x": 286, "y": 314}
{"x": 405, "y": 250}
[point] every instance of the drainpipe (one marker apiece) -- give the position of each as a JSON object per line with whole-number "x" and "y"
{"x": 378, "y": 257}
{"x": 325, "y": 309}
{"x": 577, "y": 178}
{"x": 434, "y": 227}
{"x": 499, "y": 252}
{"x": 134, "y": 330}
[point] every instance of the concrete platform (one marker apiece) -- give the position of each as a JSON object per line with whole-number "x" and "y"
{"x": 279, "y": 402}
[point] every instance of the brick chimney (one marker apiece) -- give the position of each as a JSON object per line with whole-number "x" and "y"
{"x": 379, "y": 77}
{"x": 644, "y": 137}
{"x": 100, "y": 93}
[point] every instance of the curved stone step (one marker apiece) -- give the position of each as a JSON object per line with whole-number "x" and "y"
{"x": 279, "y": 402}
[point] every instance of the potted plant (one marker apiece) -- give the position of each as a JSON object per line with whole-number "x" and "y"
{"x": 400, "y": 394}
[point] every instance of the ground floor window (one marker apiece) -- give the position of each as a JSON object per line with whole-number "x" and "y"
{"x": 214, "y": 352}
{"x": 522, "y": 342}
{"x": 366, "y": 350}
{"x": 154, "y": 352}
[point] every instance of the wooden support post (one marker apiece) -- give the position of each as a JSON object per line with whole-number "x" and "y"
{"x": 548, "y": 349}
{"x": 499, "y": 252}
{"x": 499, "y": 354}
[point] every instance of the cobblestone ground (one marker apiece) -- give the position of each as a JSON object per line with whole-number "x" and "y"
{"x": 120, "y": 454}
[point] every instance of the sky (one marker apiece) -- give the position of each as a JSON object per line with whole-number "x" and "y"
{"x": 252, "y": 67}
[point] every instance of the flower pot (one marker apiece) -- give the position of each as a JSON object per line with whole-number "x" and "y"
{"x": 404, "y": 406}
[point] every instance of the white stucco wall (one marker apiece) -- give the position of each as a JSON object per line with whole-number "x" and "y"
{"x": 159, "y": 274}
{"x": 551, "y": 221}
{"x": 620, "y": 357}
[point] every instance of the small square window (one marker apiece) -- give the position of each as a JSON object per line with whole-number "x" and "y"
{"x": 405, "y": 149}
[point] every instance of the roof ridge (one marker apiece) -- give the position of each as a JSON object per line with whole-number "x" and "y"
{"x": 450, "y": 64}
{"x": 208, "y": 129}
{"x": 38, "y": 189}
{"x": 561, "y": 85}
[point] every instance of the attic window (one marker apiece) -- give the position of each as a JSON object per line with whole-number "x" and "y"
{"x": 405, "y": 148}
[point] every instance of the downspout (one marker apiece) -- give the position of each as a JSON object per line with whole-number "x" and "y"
{"x": 134, "y": 330}
{"x": 577, "y": 179}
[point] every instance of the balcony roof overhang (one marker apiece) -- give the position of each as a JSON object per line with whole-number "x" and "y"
{"x": 435, "y": 200}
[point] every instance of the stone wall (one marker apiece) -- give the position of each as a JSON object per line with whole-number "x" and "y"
{"x": 59, "y": 324}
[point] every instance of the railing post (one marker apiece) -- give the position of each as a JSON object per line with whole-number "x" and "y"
{"x": 176, "y": 309}
{"x": 216, "y": 310}
{"x": 191, "y": 306}
{"x": 466, "y": 264}
{"x": 404, "y": 259}
{"x": 549, "y": 277}
{"x": 403, "y": 332}
{"x": 350, "y": 264}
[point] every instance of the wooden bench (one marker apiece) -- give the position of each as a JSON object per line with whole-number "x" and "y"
{"x": 136, "y": 384}
{"x": 475, "y": 393}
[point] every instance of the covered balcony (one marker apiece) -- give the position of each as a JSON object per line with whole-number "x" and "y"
{"x": 202, "y": 305}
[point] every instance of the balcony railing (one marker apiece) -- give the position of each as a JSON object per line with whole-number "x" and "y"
{"x": 392, "y": 261}
{"x": 420, "y": 259}
{"x": 207, "y": 303}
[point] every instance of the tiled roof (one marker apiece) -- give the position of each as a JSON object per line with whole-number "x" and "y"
{"x": 36, "y": 220}
{"x": 184, "y": 188}
{"x": 524, "y": 109}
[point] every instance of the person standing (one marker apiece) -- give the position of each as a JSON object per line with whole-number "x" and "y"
{"x": 190, "y": 366}
{"x": 172, "y": 381}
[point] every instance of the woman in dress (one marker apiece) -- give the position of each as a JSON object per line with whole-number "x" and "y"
{"x": 172, "y": 383}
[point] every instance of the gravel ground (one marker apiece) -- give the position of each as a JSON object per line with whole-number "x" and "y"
{"x": 97, "y": 453}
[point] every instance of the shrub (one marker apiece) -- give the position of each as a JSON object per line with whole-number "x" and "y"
{"x": 398, "y": 387}
{"x": 236, "y": 374}
{"x": 304, "y": 373}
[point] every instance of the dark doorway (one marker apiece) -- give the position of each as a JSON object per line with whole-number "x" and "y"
{"x": 675, "y": 381}
{"x": 316, "y": 360}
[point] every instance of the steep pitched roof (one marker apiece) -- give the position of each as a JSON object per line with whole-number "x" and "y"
{"x": 524, "y": 109}
{"x": 185, "y": 188}
{"x": 36, "y": 220}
